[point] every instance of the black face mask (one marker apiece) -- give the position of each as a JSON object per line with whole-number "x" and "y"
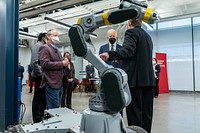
{"x": 112, "y": 40}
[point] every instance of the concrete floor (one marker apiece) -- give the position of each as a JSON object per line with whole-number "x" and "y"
{"x": 173, "y": 113}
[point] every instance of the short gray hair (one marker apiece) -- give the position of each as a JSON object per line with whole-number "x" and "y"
{"x": 49, "y": 32}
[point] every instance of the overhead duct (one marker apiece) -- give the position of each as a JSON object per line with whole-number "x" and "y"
{"x": 71, "y": 13}
{"x": 34, "y": 8}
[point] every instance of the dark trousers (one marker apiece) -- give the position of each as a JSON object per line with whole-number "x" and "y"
{"x": 63, "y": 99}
{"x": 156, "y": 88}
{"x": 31, "y": 84}
{"x": 21, "y": 83}
{"x": 140, "y": 110}
{"x": 67, "y": 96}
{"x": 39, "y": 101}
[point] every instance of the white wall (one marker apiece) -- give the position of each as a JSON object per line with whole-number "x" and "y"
{"x": 24, "y": 58}
{"x": 177, "y": 44}
{"x": 197, "y": 54}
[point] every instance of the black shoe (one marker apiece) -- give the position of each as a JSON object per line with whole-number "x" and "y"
{"x": 69, "y": 107}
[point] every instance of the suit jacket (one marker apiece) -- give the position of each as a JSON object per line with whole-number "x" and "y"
{"x": 136, "y": 55}
{"x": 69, "y": 73}
{"x": 52, "y": 66}
{"x": 157, "y": 72}
{"x": 105, "y": 48}
{"x": 36, "y": 68}
{"x": 89, "y": 70}
{"x": 20, "y": 71}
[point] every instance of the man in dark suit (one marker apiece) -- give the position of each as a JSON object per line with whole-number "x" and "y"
{"x": 136, "y": 61}
{"x": 90, "y": 74}
{"x": 89, "y": 71}
{"x": 112, "y": 45}
{"x": 52, "y": 69}
{"x": 156, "y": 68}
{"x": 20, "y": 72}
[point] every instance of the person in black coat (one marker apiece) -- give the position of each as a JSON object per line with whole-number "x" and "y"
{"x": 68, "y": 86}
{"x": 30, "y": 78}
{"x": 90, "y": 74}
{"x": 156, "y": 68}
{"x": 20, "y": 73}
{"x": 136, "y": 61}
{"x": 89, "y": 71}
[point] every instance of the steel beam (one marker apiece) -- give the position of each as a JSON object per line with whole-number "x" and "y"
{"x": 60, "y": 5}
{"x": 33, "y": 4}
{"x": 9, "y": 63}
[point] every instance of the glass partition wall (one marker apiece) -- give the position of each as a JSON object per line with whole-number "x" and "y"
{"x": 196, "y": 37}
{"x": 180, "y": 40}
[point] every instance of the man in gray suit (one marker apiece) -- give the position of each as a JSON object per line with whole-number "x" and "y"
{"x": 52, "y": 69}
{"x": 20, "y": 73}
{"x": 39, "y": 100}
{"x": 136, "y": 61}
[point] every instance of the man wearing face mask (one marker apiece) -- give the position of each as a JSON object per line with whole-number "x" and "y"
{"x": 39, "y": 100}
{"x": 111, "y": 46}
{"x": 52, "y": 65}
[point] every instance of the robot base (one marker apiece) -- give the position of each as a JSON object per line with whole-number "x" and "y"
{"x": 64, "y": 120}
{"x": 101, "y": 122}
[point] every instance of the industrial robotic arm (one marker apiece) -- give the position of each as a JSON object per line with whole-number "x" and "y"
{"x": 80, "y": 39}
{"x": 114, "y": 92}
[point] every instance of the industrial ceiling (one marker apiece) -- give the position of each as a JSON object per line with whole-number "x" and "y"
{"x": 30, "y": 9}
{"x": 32, "y": 12}
{"x": 165, "y": 8}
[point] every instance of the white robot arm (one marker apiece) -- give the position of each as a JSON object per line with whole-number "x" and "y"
{"x": 114, "y": 92}
{"x": 115, "y": 95}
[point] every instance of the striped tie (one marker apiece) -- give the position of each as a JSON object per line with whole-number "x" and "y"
{"x": 112, "y": 47}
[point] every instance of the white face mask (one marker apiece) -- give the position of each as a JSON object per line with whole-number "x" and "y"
{"x": 154, "y": 62}
{"x": 55, "y": 39}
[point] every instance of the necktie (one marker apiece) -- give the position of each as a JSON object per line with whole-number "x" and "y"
{"x": 112, "y": 48}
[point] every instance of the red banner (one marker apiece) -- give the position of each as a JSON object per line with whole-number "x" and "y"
{"x": 163, "y": 82}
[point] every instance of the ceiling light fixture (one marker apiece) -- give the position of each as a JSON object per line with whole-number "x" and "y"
{"x": 53, "y": 21}
{"x": 27, "y": 35}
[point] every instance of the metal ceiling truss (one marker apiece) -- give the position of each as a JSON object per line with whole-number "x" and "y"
{"x": 71, "y": 13}
{"x": 33, "y": 9}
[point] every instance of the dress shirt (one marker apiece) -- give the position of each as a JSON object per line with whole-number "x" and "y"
{"x": 114, "y": 46}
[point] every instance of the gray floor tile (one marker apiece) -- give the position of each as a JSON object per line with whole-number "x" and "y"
{"x": 173, "y": 112}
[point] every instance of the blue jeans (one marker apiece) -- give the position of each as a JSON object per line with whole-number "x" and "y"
{"x": 53, "y": 97}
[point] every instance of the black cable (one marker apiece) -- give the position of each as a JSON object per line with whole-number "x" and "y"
{"x": 23, "y": 110}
